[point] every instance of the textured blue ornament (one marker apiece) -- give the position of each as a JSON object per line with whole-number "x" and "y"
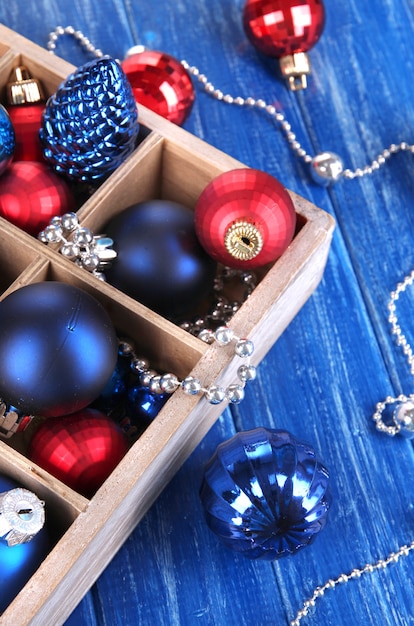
{"x": 90, "y": 125}
{"x": 142, "y": 406}
{"x": 58, "y": 348}
{"x": 159, "y": 259}
{"x": 18, "y": 563}
{"x": 265, "y": 494}
{"x": 7, "y": 140}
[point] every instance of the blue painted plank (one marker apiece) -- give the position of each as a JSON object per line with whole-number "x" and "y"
{"x": 335, "y": 361}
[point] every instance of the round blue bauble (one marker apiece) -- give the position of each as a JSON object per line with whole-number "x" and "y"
{"x": 265, "y": 494}
{"x": 90, "y": 125}
{"x": 18, "y": 563}
{"x": 7, "y": 140}
{"x": 58, "y": 348}
{"x": 160, "y": 261}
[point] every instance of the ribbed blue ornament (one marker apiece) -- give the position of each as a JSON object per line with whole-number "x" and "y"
{"x": 265, "y": 494}
{"x": 90, "y": 125}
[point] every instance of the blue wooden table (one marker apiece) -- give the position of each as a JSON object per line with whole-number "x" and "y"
{"x": 336, "y": 360}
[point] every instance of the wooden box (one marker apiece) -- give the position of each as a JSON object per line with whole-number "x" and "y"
{"x": 169, "y": 163}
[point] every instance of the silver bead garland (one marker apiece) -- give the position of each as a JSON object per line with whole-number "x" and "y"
{"x": 169, "y": 383}
{"x": 325, "y": 167}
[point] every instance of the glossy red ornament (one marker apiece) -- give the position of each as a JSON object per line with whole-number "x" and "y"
{"x": 81, "y": 449}
{"x": 245, "y": 218}
{"x": 25, "y": 106}
{"x": 31, "y": 194}
{"x": 283, "y": 27}
{"x": 160, "y": 83}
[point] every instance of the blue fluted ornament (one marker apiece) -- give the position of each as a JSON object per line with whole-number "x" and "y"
{"x": 265, "y": 494}
{"x": 159, "y": 259}
{"x": 90, "y": 125}
{"x": 18, "y": 563}
{"x": 7, "y": 140}
{"x": 58, "y": 348}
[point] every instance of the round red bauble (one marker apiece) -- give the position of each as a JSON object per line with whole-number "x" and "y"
{"x": 31, "y": 194}
{"x": 81, "y": 449}
{"x": 245, "y": 218}
{"x": 160, "y": 83}
{"x": 283, "y": 27}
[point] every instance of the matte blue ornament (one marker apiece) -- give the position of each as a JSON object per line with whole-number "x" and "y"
{"x": 159, "y": 259}
{"x": 90, "y": 125}
{"x": 7, "y": 140}
{"x": 265, "y": 494}
{"x": 58, "y": 348}
{"x": 18, "y": 563}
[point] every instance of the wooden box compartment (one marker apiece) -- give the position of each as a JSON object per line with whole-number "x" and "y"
{"x": 168, "y": 163}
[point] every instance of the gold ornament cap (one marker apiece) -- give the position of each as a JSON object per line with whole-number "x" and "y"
{"x": 243, "y": 240}
{"x": 22, "y": 88}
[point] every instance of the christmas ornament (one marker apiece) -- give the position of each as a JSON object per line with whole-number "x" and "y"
{"x": 265, "y": 494}
{"x": 26, "y": 103}
{"x": 81, "y": 449}
{"x": 245, "y": 218}
{"x": 402, "y": 418}
{"x": 325, "y": 168}
{"x": 19, "y": 562}
{"x": 143, "y": 406}
{"x": 285, "y": 29}
{"x": 159, "y": 260}
{"x": 31, "y": 193}
{"x": 90, "y": 125}
{"x": 58, "y": 348}
{"x": 77, "y": 243}
{"x": 160, "y": 83}
{"x": 7, "y": 140}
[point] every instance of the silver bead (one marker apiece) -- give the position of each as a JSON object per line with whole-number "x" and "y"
{"x": 404, "y": 418}
{"x": 69, "y": 221}
{"x": 155, "y": 384}
{"x": 52, "y": 233}
{"x": 326, "y": 168}
{"x": 244, "y": 348}
{"x": 169, "y": 383}
{"x": 246, "y": 373}
{"x": 125, "y": 348}
{"x": 139, "y": 365}
{"x": 235, "y": 393}
{"x": 70, "y": 250}
{"x": 83, "y": 236}
{"x": 206, "y": 335}
{"x": 223, "y": 335}
{"x": 191, "y": 386}
{"x": 215, "y": 394}
{"x": 146, "y": 377}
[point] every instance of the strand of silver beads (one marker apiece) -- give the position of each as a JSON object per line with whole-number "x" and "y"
{"x": 369, "y": 568}
{"x": 325, "y": 168}
{"x": 403, "y": 415}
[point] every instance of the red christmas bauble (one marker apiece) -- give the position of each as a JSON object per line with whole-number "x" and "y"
{"x": 245, "y": 218}
{"x": 160, "y": 83}
{"x": 282, "y": 27}
{"x": 31, "y": 194}
{"x": 81, "y": 449}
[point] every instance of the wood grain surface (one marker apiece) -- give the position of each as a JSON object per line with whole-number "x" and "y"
{"x": 322, "y": 379}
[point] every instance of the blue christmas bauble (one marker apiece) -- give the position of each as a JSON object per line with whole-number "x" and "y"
{"x": 160, "y": 261}
{"x": 58, "y": 348}
{"x": 18, "y": 563}
{"x": 90, "y": 125}
{"x": 143, "y": 406}
{"x": 265, "y": 494}
{"x": 7, "y": 140}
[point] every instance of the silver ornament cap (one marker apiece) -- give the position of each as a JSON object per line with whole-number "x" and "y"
{"x": 22, "y": 516}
